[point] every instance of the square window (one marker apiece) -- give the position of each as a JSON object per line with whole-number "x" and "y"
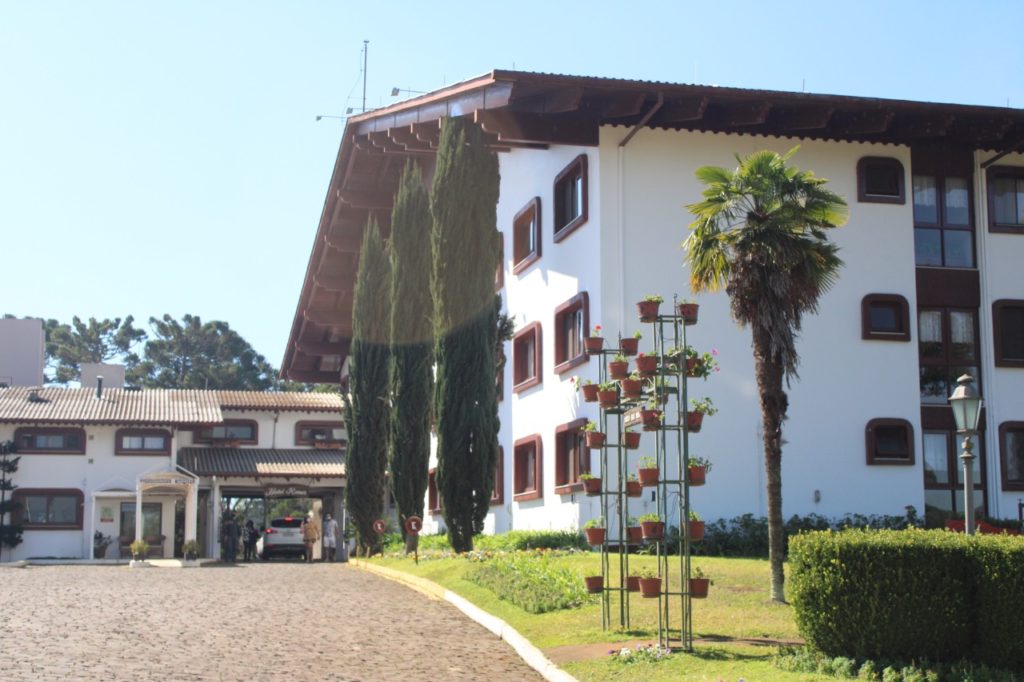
{"x": 320, "y": 433}
{"x": 1008, "y": 332}
{"x": 526, "y": 483}
{"x": 885, "y": 317}
{"x": 56, "y": 441}
{"x": 572, "y": 457}
{"x": 1006, "y": 199}
{"x": 880, "y": 180}
{"x": 890, "y": 441}
{"x": 572, "y": 322}
{"x": 1011, "y": 447}
{"x": 526, "y": 236}
{"x": 50, "y": 509}
{"x": 570, "y": 204}
{"x": 526, "y": 358}
{"x": 142, "y": 442}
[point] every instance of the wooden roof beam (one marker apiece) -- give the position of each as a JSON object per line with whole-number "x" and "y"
{"x": 406, "y": 137}
{"x": 551, "y": 128}
{"x": 680, "y": 110}
{"x": 346, "y": 243}
{"x": 338, "y": 320}
{"x": 556, "y": 101}
{"x": 629, "y": 104}
{"x": 382, "y": 141}
{"x": 311, "y": 376}
{"x": 809, "y": 118}
{"x": 914, "y": 127}
{"x": 322, "y": 348}
{"x": 864, "y": 123}
{"x": 429, "y": 132}
{"x": 362, "y": 199}
{"x": 745, "y": 114}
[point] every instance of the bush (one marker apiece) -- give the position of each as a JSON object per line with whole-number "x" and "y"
{"x": 910, "y": 595}
{"x": 531, "y": 583}
{"x": 511, "y": 541}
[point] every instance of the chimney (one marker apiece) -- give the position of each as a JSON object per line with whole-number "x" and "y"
{"x": 99, "y": 387}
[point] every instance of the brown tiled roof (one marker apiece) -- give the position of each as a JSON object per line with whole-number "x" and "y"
{"x": 260, "y": 462}
{"x": 280, "y": 401}
{"x": 116, "y": 406}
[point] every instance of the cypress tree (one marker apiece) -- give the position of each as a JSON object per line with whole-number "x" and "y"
{"x": 366, "y": 406}
{"x": 10, "y": 531}
{"x": 464, "y": 246}
{"x": 412, "y": 347}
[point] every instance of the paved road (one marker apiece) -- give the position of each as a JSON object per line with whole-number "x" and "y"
{"x": 276, "y": 621}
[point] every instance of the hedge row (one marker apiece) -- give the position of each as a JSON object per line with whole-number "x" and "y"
{"x": 502, "y": 542}
{"x": 910, "y": 594}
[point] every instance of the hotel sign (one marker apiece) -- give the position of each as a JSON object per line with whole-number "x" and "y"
{"x": 286, "y": 491}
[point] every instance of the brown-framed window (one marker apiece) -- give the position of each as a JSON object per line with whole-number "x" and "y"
{"x": 880, "y": 179}
{"x": 570, "y": 202}
{"x": 572, "y": 457}
{"x": 1006, "y": 199}
{"x": 572, "y": 320}
{"x": 50, "y": 508}
{"x": 312, "y": 432}
{"x": 943, "y": 227}
{"x": 498, "y": 492}
{"x": 944, "y": 476}
{"x": 885, "y": 317}
{"x": 244, "y": 431}
{"x": 499, "y": 273}
{"x": 890, "y": 441}
{"x": 433, "y": 499}
{"x": 526, "y": 358}
{"x": 526, "y": 236}
{"x": 50, "y": 440}
{"x": 526, "y": 479}
{"x": 1011, "y": 453}
{"x": 142, "y": 442}
{"x": 947, "y": 348}
{"x": 1008, "y": 332}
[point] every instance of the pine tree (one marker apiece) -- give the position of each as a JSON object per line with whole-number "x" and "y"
{"x": 464, "y": 246}
{"x": 412, "y": 347}
{"x": 366, "y": 407}
{"x": 10, "y": 531}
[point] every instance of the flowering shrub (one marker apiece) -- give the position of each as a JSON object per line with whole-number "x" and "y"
{"x": 652, "y": 653}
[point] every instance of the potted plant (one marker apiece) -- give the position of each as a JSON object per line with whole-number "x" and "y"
{"x": 652, "y": 527}
{"x": 696, "y": 470}
{"x": 633, "y": 583}
{"x": 629, "y": 346}
{"x": 700, "y": 365}
{"x": 139, "y": 549}
{"x": 191, "y": 550}
{"x": 100, "y": 542}
{"x": 650, "y": 583}
{"x": 618, "y": 367}
{"x": 647, "y": 365}
{"x": 595, "y": 439}
{"x": 648, "y": 471}
{"x": 594, "y": 343}
{"x": 634, "y": 533}
{"x": 651, "y": 417}
{"x": 698, "y": 409}
{"x": 595, "y": 583}
{"x": 673, "y": 357}
{"x": 591, "y": 484}
{"x": 595, "y": 531}
{"x": 632, "y": 386}
{"x": 608, "y": 394}
{"x": 632, "y": 440}
{"x": 696, "y": 527}
{"x": 699, "y": 584}
{"x": 688, "y": 311}
{"x": 588, "y": 388}
{"x": 648, "y": 307}
{"x": 633, "y": 487}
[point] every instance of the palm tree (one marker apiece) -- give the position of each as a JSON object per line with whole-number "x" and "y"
{"x": 761, "y": 233}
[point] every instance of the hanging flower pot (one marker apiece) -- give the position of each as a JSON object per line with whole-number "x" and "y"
{"x": 651, "y": 419}
{"x": 618, "y": 369}
{"x": 591, "y": 486}
{"x": 595, "y": 536}
{"x": 595, "y": 439}
{"x": 696, "y": 475}
{"x": 607, "y": 399}
{"x": 688, "y": 311}
{"x": 632, "y": 583}
{"x": 632, "y": 388}
{"x": 652, "y": 530}
{"x": 696, "y": 530}
{"x": 595, "y": 583}
{"x": 634, "y": 489}
{"x": 699, "y": 587}
{"x": 694, "y": 421}
{"x": 634, "y": 535}
{"x": 647, "y": 309}
{"x": 632, "y": 440}
{"x": 593, "y": 344}
{"x": 694, "y": 367}
{"x": 648, "y": 476}
{"x": 629, "y": 345}
{"x": 589, "y": 392}
{"x": 647, "y": 365}
{"x": 650, "y": 588}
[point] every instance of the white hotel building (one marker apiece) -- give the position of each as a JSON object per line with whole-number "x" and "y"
{"x": 595, "y": 176}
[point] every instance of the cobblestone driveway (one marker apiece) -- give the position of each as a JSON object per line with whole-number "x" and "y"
{"x": 276, "y": 621}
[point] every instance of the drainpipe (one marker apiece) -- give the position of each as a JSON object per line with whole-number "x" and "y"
{"x": 985, "y": 346}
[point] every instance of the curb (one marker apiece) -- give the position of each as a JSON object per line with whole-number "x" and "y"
{"x": 530, "y": 654}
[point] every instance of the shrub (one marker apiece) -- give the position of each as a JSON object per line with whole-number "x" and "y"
{"x": 529, "y": 582}
{"x": 998, "y": 562}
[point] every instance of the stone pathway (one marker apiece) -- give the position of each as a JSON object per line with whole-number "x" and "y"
{"x": 273, "y": 621}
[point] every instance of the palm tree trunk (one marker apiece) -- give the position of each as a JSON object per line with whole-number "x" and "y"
{"x": 774, "y": 402}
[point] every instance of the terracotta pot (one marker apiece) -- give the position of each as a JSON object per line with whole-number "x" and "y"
{"x": 697, "y": 475}
{"x": 694, "y": 421}
{"x": 608, "y": 399}
{"x": 647, "y": 310}
{"x": 688, "y": 311}
{"x": 634, "y": 534}
{"x": 595, "y": 583}
{"x": 595, "y": 536}
{"x": 595, "y": 439}
{"x": 592, "y": 486}
{"x": 632, "y": 583}
{"x": 647, "y": 365}
{"x": 652, "y": 530}
{"x": 694, "y": 366}
{"x": 699, "y": 587}
{"x": 650, "y": 587}
{"x": 589, "y": 392}
{"x": 648, "y": 477}
{"x": 651, "y": 419}
{"x": 618, "y": 369}
{"x": 632, "y": 440}
{"x": 632, "y": 388}
{"x": 629, "y": 346}
{"x": 696, "y": 530}
{"x": 593, "y": 344}
{"x": 634, "y": 489}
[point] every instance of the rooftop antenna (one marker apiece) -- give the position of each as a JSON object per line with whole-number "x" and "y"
{"x": 366, "y": 49}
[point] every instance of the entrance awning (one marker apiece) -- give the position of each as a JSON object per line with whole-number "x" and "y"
{"x": 263, "y": 462}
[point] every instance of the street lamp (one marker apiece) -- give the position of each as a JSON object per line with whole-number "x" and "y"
{"x": 966, "y": 404}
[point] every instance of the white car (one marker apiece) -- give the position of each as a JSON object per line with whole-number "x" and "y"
{"x": 283, "y": 537}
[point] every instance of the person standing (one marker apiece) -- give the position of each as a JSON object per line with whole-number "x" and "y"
{"x": 310, "y": 535}
{"x": 249, "y": 537}
{"x": 231, "y": 535}
{"x": 330, "y": 536}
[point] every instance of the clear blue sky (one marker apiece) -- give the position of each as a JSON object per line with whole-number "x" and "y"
{"x": 164, "y": 156}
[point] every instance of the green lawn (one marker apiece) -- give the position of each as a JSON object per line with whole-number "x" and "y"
{"x": 737, "y": 611}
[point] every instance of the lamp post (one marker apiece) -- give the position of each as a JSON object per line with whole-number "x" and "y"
{"x": 966, "y": 404}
